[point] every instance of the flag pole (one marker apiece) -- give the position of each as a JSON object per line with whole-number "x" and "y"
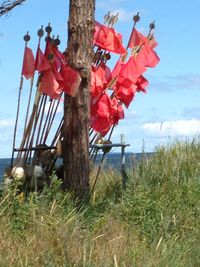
{"x": 33, "y": 118}
{"x": 48, "y": 30}
{"x": 58, "y": 132}
{"x": 151, "y": 28}
{"x": 39, "y": 140}
{"x": 51, "y": 119}
{"x": 30, "y": 138}
{"x": 40, "y": 34}
{"x": 136, "y": 18}
{"x": 52, "y": 108}
{"x": 26, "y": 39}
{"x": 41, "y": 107}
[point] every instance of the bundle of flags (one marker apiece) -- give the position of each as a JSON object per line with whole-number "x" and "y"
{"x": 109, "y": 90}
{"x": 124, "y": 80}
{"x": 56, "y": 76}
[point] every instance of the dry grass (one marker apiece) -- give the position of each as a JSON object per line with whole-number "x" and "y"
{"x": 154, "y": 223}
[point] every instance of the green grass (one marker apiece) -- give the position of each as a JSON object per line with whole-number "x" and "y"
{"x": 155, "y": 222}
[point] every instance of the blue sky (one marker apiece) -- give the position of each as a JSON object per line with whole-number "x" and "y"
{"x": 170, "y": 110}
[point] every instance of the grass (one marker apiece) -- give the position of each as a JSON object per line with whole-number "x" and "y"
{"x": 155, "y": 222}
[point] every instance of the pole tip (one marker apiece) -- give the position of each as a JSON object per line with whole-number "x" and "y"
{"x": 152, "y": 25}
{"x": 136, "y": 18}
{"x": 40, "y": 32}
{"x": 48, "y": 29}
{"x": 27, "y": 37}
{"x": 57, "y": 41}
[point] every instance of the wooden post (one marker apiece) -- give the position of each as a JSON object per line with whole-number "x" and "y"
{"x": 76, "y": 109}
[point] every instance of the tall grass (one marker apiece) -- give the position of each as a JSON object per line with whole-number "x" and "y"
{"x": 155, "y": 222}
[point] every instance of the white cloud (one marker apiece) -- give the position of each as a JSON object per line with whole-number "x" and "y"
{"x": 173, "y": 128}
{"x": 124, "y": 15}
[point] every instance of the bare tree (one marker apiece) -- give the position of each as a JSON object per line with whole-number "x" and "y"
{"x": 76, "y": 109}
{"x": 7, "y": 5}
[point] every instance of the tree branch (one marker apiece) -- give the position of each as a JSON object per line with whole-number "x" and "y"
{"x": 7, "y": 5}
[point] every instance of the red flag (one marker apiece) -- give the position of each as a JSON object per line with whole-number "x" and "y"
{"x": 97, "y": 85}
{"x": 58, "y": 77}
{"x": 100, "y": 114}
{"x": 97, "y": 30}
{"x": 147, "y": 57}
{"x": 58, "y": 54}
{"x": 41, "y": 63}
{"x": 48, "y": 49}
{"x": 115, "y": 72}
{"x": 72, "y": 80}
{"x": 49, "y": 84}
{"x": 101, "y": 125}
{"x": 105, "y": 113}
{"x": 117, "y": 111}
{"x": 108, "y": 39}
{"x": 59, "y": 58}
{"x": 141, "y": 84}
{"x": 107, "y": 72}
{"x": 136, "y": 39}
{"x": 132, "y": 70}
{"x": 124, "y": 82}
{"x": 53, "y": 55}
{"x": 99, "y": 79}
{"x": 126, "y": 95}
{"x": 103, "y": 106}
{"x": 28, "y": 67}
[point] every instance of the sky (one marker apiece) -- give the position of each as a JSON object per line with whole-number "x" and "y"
{"x": 169, "y": 111}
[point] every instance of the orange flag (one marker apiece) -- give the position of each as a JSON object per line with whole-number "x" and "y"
{"x": 28, "y": 67}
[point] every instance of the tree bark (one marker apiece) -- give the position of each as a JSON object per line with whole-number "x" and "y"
{"x": 76, "y": 109}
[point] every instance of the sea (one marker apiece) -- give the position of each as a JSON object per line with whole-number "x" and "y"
{"x": 112, "y": 160}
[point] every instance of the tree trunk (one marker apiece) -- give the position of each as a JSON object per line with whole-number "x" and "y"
{"x": 76, "y": 109}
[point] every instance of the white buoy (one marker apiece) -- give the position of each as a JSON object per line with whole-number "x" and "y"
{"x": 18, "y": 174}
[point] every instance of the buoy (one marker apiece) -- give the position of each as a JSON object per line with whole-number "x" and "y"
{"x": 18, "y": 174}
